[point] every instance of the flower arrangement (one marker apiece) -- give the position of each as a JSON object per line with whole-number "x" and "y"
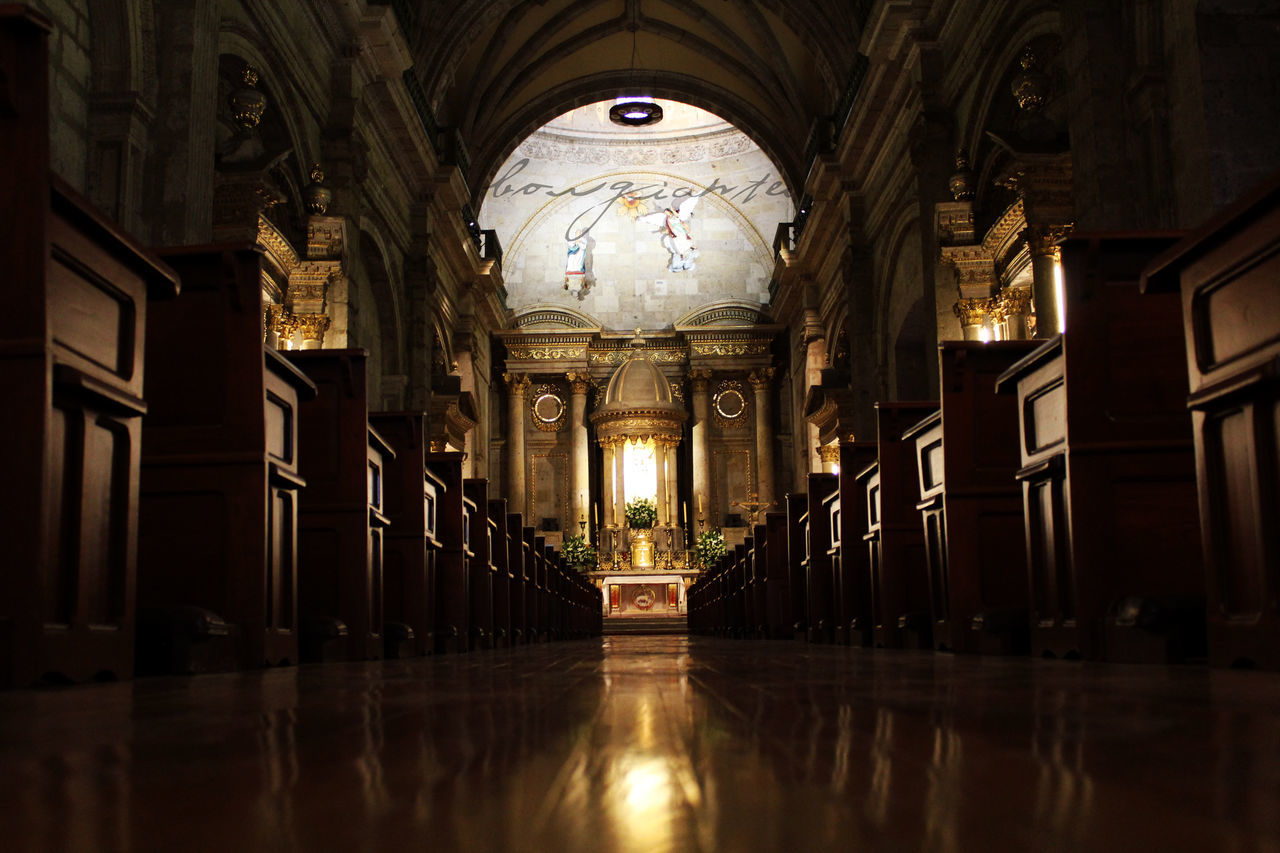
{"x": 578, "y": 552}
{"x": 708, "y": 548}
{"x": 641, "y": 514}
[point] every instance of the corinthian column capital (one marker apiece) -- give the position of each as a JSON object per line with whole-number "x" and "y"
{"x": 761, "y": 378}
{"x": 700, "y": 379}
{"x": 517, "y": 383}
{"x": 579, "y": 383}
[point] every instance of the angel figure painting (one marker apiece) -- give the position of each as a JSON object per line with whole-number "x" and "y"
{"x": 677, "y": 235}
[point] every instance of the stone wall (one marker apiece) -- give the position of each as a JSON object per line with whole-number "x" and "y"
{"x": 70, "y": 83}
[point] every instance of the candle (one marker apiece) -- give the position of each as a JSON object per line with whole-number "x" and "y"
{"x": 595, "y": 514}
{"x": 684, "y": 513}
{"x": 699, "y": 504}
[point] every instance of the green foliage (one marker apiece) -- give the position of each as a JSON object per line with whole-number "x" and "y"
{"x": 578, "y": 552}
{"x": 641, "y": 513}
{"x": 708, "y": 548}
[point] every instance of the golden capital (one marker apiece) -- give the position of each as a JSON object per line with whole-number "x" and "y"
{"x": 761, "y": 378}
{"x": 1014, "y": 301}
{"x": 700, "y": 379}
{"x": 579, "y": 383}
{"x": 829, "y": 453}
{"x": 517, "y": 383}
{"x": 973, "y": 312}
{"x": 312, "y": 326}
{"x": 1043, "y": 240}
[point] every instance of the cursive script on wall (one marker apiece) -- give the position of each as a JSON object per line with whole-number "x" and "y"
{"x": 506, "y": 186}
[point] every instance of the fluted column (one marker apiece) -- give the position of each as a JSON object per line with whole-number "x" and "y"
{"x": 517, "y": 385}
{"x": 580, "y": 465}
{"x": 1042, "y": 241}
{"x": 619, "y": 487}
{"x": 673, "y": 498}
{"x": 606, "y": 481}
{"x": 660, "y": 469}
{"x": 761, "y": 382}
{"x": 700, "y": 382}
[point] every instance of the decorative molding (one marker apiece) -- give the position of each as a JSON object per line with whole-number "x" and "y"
{"x": 517, "y": 383}
{"x": 579, "y": 383}
{"x": 657, "y": 356}
{"x": 761, "y": 378}
{"x": 729, "y": 405}
{"x": 699, "y": 380}
{"x": 730, "y": 349}
{"x": 547, "y": 421}
{"x": 547, "y": 353}
{"x": 829, "y": 453}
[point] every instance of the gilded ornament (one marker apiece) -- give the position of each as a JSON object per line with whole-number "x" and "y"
{"x": 318, "y": 196}
{"x": 729, "y": 405}
{"x": 961, "y": 183}
{"x": 829, "y": 453}
{"x": 547, "y": 408}
{"x": 973, "y": 312}
{"x": 699, "y": 379}
{"x": 761, "y": 378}
{"x": 247, "y": 103}
{"x": 312, "y": 326}
{"x": 547, "y": 353}
{"x": 1030, "y": 87}
{"x": 730, "y": 349}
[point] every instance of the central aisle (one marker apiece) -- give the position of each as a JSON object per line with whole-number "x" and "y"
{"x": 649, "y": 744}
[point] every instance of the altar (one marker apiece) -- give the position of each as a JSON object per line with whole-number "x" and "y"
{"x": 644, "y": 563}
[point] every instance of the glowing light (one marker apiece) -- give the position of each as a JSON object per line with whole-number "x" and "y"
{"x": 984, "y": 335}
{"x": 639, "y": 471}
{"x": 1059, "y": 293}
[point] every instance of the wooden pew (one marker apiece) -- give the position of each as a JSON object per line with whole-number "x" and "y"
{"x": 340, "y": 518}
{"x": 452, "y": 613}
{"x": 541, "y": 630}
{"x": 530, "y": 585}
{"x": 515, "y": 578}
{"x": 797, "y": 600}
{"x": 1108, "y": 469}
{"x": 1226, "y": 274}
{"x": 777, "y": 604}
{"x": 758, "y": 582}
{"x": 971, "y": 504}
{"x": 851, "y": 570}
{"x": 898, "y": 570}
{"x": 820, "y": 597}
{"x": 500, "y": 554}
{"x": 412, "y": 545}
{"x": 72, "y": 337}
{"x": 217, "y": 548}
{"x": 480, "y": 564}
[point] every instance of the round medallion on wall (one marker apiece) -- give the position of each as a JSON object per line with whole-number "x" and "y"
{"x": 730, "y": 405}
{"x": 547, "y": 408}
{"x": 644, "y": 598}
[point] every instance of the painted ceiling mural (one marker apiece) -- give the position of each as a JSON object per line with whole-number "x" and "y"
{"x": 636, "y": 227}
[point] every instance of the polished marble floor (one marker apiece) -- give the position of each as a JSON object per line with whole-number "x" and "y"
{"x": 651, "y": 744}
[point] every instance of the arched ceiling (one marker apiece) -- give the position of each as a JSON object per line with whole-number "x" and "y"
{"x": 499, "y": 69}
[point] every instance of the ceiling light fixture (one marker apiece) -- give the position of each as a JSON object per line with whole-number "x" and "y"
{"x": 635, "y": 111}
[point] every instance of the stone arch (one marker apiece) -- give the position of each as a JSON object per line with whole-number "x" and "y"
{"x": 779, "y": 144}
{"x": 379, "y": 275}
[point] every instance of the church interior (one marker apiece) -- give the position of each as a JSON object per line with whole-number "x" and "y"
{"x": 640, "y": 425}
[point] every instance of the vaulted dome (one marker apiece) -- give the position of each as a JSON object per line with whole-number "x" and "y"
{"x": 638, "y": 384}
{"x": 638, "y": 402}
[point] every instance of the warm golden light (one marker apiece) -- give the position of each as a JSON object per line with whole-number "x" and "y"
{"x": 1059, "y": 293}
{"x": 640, "y": 470}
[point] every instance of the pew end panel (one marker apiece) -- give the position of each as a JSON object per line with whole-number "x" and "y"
{"x": 452, "y": 608}
{"x": 1107, "y": 465}
{"x": 72, "y": 341}
{"x": 1226, "y": 275}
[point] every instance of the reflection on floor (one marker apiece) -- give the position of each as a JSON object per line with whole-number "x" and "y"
{"x": 651, "y": 743}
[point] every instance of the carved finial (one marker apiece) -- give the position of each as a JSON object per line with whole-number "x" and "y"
{"x": 961, "y": 182}
{"x": 1031, "y": 87}
{"x": 318, "y": 196}
{"x": 247, "y": 104}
